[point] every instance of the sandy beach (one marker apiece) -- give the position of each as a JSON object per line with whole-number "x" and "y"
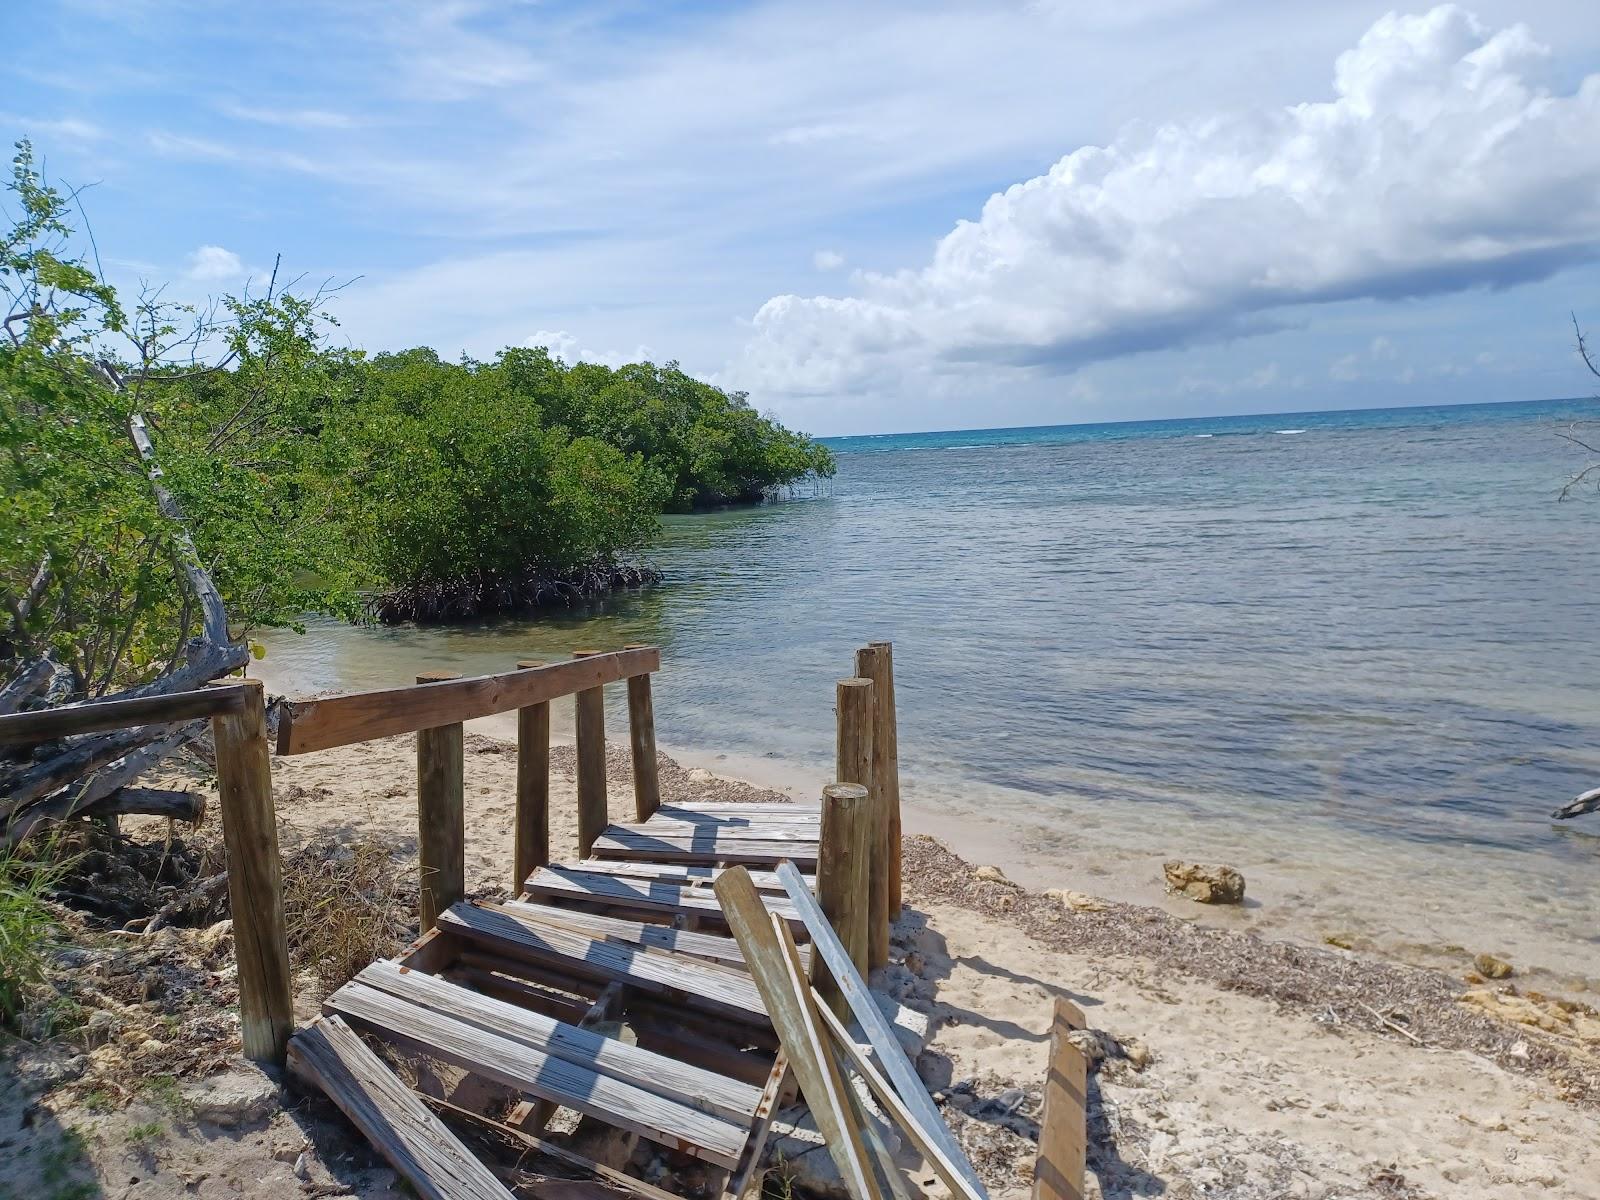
{"x": 1229, "y": 1064}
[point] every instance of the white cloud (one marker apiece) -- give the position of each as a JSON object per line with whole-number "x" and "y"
{"x": 567, "y": 348}
{"x": 293, "y": 118}
{"x": 213, "y": 264}
{"x": 827, "y": 260}
{"x": 70, "y": 128}
{"x": 1437, "y": 166}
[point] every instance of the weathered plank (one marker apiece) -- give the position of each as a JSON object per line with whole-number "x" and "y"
{"x": 775, "y": 814}
{"x": 255, "y": 876}
{"x": 788, "y": 999}
{"x": 865, "y": 1009}
{"x": 441, "y": 816}
{"x": 712, "y": 828}
{"x": 530, "y": 836}
{"x": 734, "y": 807}
{"x": 517, "y": 1065}
{"x": 684, "y": 874}
{"x": 97, "y": 715}
{"x": 646, "y": 895}
{"x": 657, "y": 1073}
{"x": 621, "y": 842}
{"x": 715, "y": 947}
{"x": 308, "y": 725}
{"x": 1063, "y": 1132}
{"x": 936, "y": 1156}
{"x": 699, "y": 985}
{"x": 328, "y": 1055}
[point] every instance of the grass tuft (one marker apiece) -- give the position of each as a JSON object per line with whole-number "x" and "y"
{"x": 27, "y": 931}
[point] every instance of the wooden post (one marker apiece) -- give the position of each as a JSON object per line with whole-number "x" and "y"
{"x": 531, "y": 836}
{"x": 441, "y": 819}
{"x": 589, "y": 713}
{"x": 255, "y": 877}
{"x": 1063, "y": 1133}
{"x": 854, "y": 749}
{"x": 642, "y": 738}
{"x": 869, "y": 665}
{"x": 886, "y": 753}
{"x": 843, "y": 870}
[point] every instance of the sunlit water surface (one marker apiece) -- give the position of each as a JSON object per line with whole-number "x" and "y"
{"x": 1354, "y": 654}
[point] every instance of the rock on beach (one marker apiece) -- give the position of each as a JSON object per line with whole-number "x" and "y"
{"x": 1206, "y": 884}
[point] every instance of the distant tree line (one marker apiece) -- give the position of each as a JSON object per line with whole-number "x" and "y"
{"x": 171, "y": 476}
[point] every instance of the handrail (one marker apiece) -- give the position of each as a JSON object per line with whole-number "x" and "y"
{"x": 93, "y": 716}
{"x": 307, "y": 725}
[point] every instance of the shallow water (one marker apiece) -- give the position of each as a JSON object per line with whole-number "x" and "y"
{"x": 1354, "y": 654}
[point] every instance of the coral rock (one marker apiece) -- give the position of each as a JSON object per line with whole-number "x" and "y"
{"x": 1208, "y": 885}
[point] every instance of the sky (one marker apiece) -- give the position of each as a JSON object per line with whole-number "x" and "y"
{"x": 871, "y": 217}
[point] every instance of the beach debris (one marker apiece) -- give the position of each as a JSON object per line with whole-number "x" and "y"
{"x": 991, "y": 874}
{"x": 1077, "y": 901}
{"x": 1205, "y": 884}
{"x": 242, "y": 1095}
{"x": 1491, "y": 967}
{"x": 1587, "y": 803}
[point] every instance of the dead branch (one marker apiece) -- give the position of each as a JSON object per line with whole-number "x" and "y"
{"x": 1587, "y": 803}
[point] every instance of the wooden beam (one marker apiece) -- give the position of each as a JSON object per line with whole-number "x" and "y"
{"x": 308, "y": 725}
{"x": 589, "y": 718}
{"x": 886, "y": 757}
{"x": 854, "y": 743}
{"x": 1063, "y": 1130}
{"x": 441, "y": 816}
{"x": 864, "y": 1008}
{"x": 642, "y": 741}
{"x": 895, "y": 1108}
{"x": 531, "y": 833}
{"x": 329, "y": 1056}
{"x": 844, "y": 859}
{"x": 787, "y": 999}
{"x": 255, "y": 876}
{"x": 97, "y": 715}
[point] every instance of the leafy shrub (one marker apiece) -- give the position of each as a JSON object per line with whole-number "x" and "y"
{"x": 27, "y": 933}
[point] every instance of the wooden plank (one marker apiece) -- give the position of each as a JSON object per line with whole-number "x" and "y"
{"x": 441, "y": 816}
{"x": 684, "y": 874}
{"x": 618, "y": 842}
{"x": 937, "y": 1158}
{"x": 775, "y": 814}
{"x": 1063, "y": 1131}
{"x": 642, "y": 745}
{"x": 589, "y": 730}
{"x": 710, "y": 946}
{"x": 760, "y": 1128}
{"x": 538, "y": 1145}
{"x": 699, "y": 985}
{"x": 787, "y": 998}
{"x": 888, "y": 1172}
{"x": 307, "y": 725}
{"x": 656, "y": 1073}
{"x": 255, "y": 877}
{"x": 94, "y": 716}
{"x": 531, "y": 825}
{"x": 517, "y": 1065}
{"x": 645, "y": 894}
{"x": 328, "y": 1055}
{"x": 734, "y": 807}
{"x": 867, "y": 1014}
{"x": 711, "y": 828}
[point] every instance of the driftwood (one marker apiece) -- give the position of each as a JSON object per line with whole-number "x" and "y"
{"x": 1587, "y": 803}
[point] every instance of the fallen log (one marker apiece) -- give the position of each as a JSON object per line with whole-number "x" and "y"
{"x": 149, "y": 802}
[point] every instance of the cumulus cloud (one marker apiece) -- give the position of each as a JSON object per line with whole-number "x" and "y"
{"x": 1439, "y": 164}
{"x": 213, "y": 264}
{"x": 568, "y": 349}
{"x": 827, "y": 260}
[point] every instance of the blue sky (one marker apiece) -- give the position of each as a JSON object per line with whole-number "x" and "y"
{"x": 871, "y": 217}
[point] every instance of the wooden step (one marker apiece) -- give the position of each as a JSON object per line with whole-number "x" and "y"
{"x": 776, "y": 815}
{"x": 700, "y": 985}
{"x": 809, "y": 807}
{"x": 646, "y": 895}
{"x": 683, "y": 874}
{"x": 678, "y": 1081}
{"x": 518, "y": 1065}
{"x": 713, "y": 947}
{"x": 716, "y": 847}
{"x": 329, "y": 1055}
{"x": 714, "y": 827}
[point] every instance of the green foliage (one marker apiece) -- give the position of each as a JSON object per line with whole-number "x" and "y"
{"x": 27, "y": 934}
{"x": 305, "y": 475}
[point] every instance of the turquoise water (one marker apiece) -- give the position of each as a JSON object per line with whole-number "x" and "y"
{"x": 1353, "y": 652}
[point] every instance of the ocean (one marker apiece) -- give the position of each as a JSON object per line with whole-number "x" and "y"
{"x": 1353, "y": 653}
